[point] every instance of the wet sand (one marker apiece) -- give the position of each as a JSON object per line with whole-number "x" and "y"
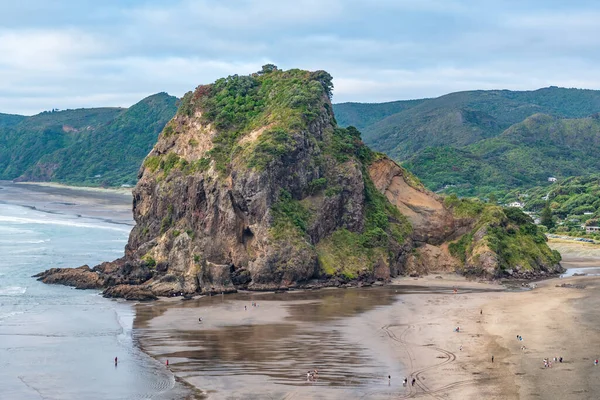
{"x": 108, "y": 205}
{"x": 355, "y": 338}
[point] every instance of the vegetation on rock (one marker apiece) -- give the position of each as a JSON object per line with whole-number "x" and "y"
{"x": 253, "y": 185}
{"x": 515, "y": 242}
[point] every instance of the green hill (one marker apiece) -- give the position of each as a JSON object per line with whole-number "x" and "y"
{"x": 477, "y": 142}
{"x": 524, "y": 155}
{"x": 101, "y": 146}
{"x": 362, "y": 115}
{"x": 8, "y": 120}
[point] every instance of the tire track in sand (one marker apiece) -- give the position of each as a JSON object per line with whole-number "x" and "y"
{"x": 417, "y": 374}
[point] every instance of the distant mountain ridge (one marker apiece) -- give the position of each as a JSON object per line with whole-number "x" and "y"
{"x": 97, "y": 146}
{"x": 479, "y": 141}
{"x": 10, "y": 119}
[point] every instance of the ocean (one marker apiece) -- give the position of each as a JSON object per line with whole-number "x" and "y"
{"x": 57, "y": 342}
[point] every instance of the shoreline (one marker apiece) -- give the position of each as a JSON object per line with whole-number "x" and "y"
{"x": 101, "y": 204}
{"x": 57, "y": 185}
{"x": 411, "y": 335}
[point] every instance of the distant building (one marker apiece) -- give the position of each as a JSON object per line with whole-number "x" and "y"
{"x": 592, "y": 229}
{"x": 516, "y": 204}
{"x": 588, "y": 213}
{"x": 551, "y": 179}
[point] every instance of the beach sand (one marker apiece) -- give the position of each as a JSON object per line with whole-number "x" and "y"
{"x": 109, "y": 205}
{"x": 357, "y": 337}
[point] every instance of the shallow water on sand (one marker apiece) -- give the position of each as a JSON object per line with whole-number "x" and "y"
{"x": 57, "y": 342}
{"x": 266, "y": 351}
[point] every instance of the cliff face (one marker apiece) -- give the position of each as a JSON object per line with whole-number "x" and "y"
{"x": 252, "y": 185}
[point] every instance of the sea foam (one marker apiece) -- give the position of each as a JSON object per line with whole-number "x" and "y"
{"x": 12, "y": 291}
{"x": 55, "y": 221}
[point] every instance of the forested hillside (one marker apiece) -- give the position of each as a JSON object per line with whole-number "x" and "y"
{"x": 474, "y": 143}
{"x": 101, "y": 146}
{"x": 10, "y": 119}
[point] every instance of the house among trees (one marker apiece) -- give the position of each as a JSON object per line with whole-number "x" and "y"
{"x": 516, "y": 204}
{"x": 551, "y": 179}
{"x": 592, "y": 229}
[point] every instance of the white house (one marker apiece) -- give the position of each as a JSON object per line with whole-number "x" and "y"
{"x": 551, "y": 179}
{"x": 592, "y": 229}
{"x": 516, "y": 204}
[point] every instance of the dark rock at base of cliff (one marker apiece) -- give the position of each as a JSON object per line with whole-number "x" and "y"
{"x": 80, "y": 278}
{"x": 529, "y": 274}
{"x": 124, "y": 272}
{"x": 129, "y": 292}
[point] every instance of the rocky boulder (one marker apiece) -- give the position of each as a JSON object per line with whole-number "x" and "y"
{"x": 80, "y": 278}
{"x": 130, "y": 292}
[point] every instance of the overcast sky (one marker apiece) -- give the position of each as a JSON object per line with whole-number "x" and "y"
{"x": 84, "y": 53}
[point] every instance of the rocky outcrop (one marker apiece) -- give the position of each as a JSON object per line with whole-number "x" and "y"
{"x": 253, "y": 186}
{"x": 80, "y": 278}
{"x": 428, "y": 258}
{"x": 431, "y": 221}
{"x": 130, "y": 292}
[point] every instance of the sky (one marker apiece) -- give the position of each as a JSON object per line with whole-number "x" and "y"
{"x": 88, "y": 53}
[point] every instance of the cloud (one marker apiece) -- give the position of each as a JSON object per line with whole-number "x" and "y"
{"x": 238, "y": 15}
{"x": 45, "y": 50}
{"x": 73, "y": 53}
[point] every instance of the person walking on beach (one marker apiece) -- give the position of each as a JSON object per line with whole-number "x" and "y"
{"x": 405, "y": 381}
{"x": 389, "y": 380}
{"x": 492, "y": 359}
{"x": 413, "y": 382}
{"x": 116, "y": 361}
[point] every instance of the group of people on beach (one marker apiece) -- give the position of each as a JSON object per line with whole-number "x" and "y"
{"x": 548, "y": 363}
{"x": 405, "y": 381}
{"x": 312, "y": 375}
